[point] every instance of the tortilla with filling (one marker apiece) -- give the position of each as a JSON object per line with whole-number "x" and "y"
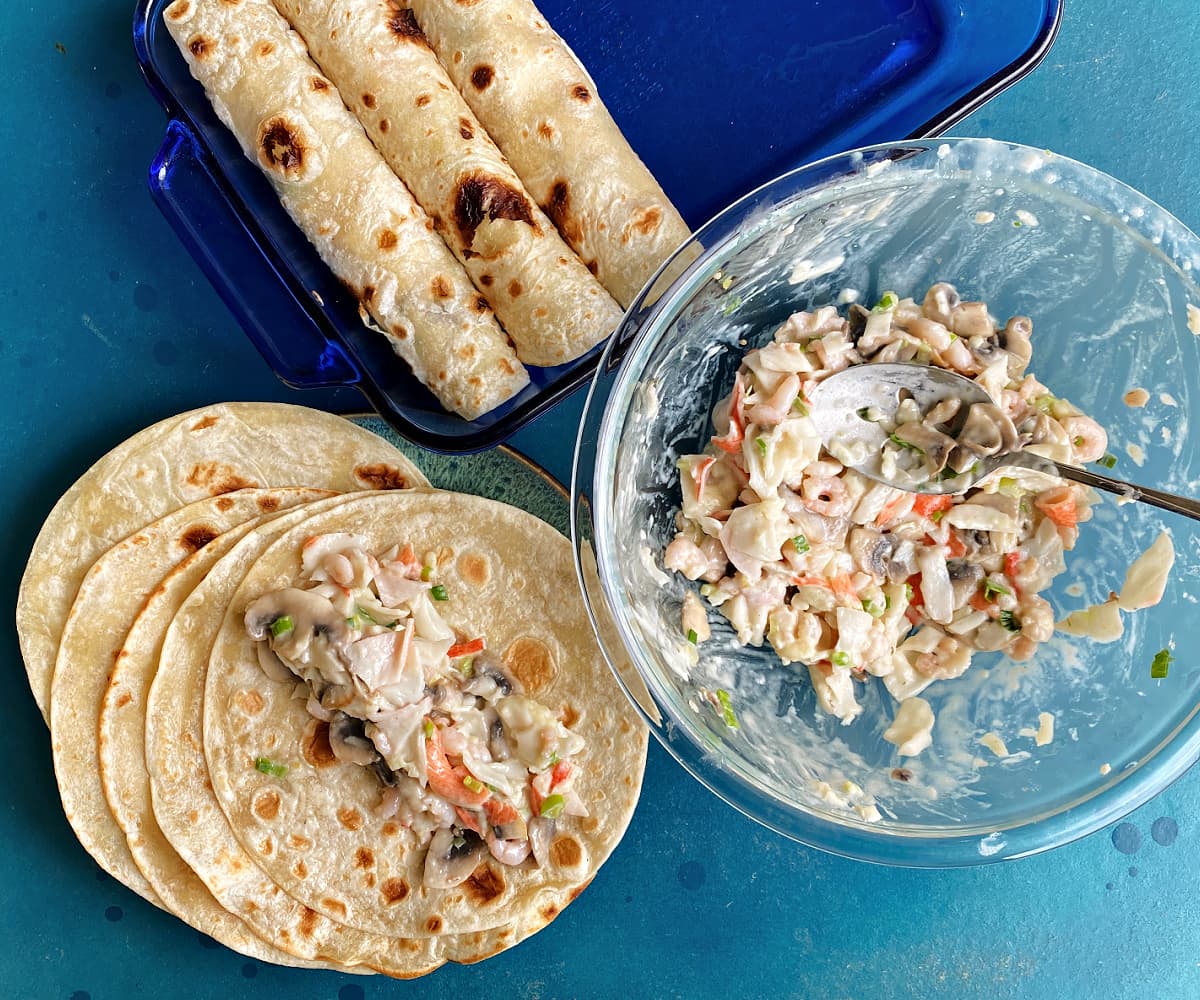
{"x": 201, "y": 453}
{"x": 191, "y": 818}
{"x": 290, "y": 120}
{"x": 547, "y": 301}
{"x": 509, "y": 577}
{"x": 123, "y": 764}
{"x": 538, "y": 104}
{"x": 109, "y": 598}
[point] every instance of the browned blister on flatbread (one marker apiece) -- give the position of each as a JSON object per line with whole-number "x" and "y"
{"x": 290, "y": 120}
{"x": 548, "y": 302}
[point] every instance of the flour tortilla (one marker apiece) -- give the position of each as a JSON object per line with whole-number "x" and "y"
{"x": 510, "y": 579}
{"x": 109, "y": 598}
{"x": 547, "y": 301}
{"x": 201, "y": 453}
{"x": 189, "y": 815}
{"x": 290, "y": 120}
{"x": 542, "y": 110}
{"x": 123, "y": 764}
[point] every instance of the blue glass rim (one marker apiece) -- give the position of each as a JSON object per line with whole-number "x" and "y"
{"x": 1121, "y": 793}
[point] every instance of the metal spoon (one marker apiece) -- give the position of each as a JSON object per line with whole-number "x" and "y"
{"x": 838, "y": 401}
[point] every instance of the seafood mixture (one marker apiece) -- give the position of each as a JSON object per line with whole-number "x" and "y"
{"x": 853, "y": 578}
{"x": 464, "y": 758}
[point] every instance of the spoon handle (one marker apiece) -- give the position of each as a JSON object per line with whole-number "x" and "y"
{"x": 1156, "y": 498}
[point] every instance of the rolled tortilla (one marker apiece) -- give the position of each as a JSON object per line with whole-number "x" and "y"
{"x": 373, "y": 50}
{"x": 538, "y": 104}
{"x": 334, "y": 184}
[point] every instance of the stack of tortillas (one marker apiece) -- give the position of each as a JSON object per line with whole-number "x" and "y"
{"x": 453, "y": 166}
{"x": 130, "y": 622}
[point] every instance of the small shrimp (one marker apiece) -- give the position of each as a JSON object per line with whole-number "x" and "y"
{"x": 1088, "y": 439}
{"x": 826, "y": 495}
{"x": 933, "y": 333}
{"x": 949, "y": 658}
{"x": 339, "y": 568}
{"x": 469, "y": 820}
{"x": 1036, "y": 618}
{"x": 450, "y": 781}
{"x": 507, "y": 852}
{"x": 958, "y": 356}
{"x": 774, "y": 410}
{"x": 824, "y": 467}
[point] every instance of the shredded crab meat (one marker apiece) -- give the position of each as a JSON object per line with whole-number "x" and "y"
{"x": 466, "y": 760}
{"x": 855, "y": 579}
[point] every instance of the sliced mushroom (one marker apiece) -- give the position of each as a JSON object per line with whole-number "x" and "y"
{"x": 871, "y": 551}
{"x": 940, "y": 302}
{"x": 944, "y": 411}
{"x": 448, "y": 864}
{"x": 511, "y": 829}
{"x": 388, "y": 777}
{"x": 935, "y": 445}
{"x": 965, "y": 578}
{"x": 335, "y": 696}
{"x": 541, "y": 834}
{"x": 349, "y": 742}
{"x": 902, "y": 562}
{"x": 311, "y": 615}
{"x": 1016, "y": 339}
{"x": 491, "y": 679}
{"x": 971, "y": 319}
{"x": 857, "y": 322}
{"x": 496, "y": 741}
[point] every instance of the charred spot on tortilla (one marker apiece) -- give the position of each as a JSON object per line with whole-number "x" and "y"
{"x": 268, "y": 504}
{"x": 558, "y": 207}
{"x": 433, "y": 924}
{"x": 204, "y": 423}
{"x": 298, "y": 842}
{"x": 479, "y": 197}
{"x": 336, "y": 907}
{"x": 266, "y": 805}
{"x": 440, "y": 287}
{"x": 465, "y": 130}
{"x": 581, "y": 93}
{"x": 481, "y": 76}
{"x": 197, "y": 536}
{"x": 474, "y": 568}
{"x": 202, "y": 47}
{"x": 388, "y": 239}
{"x": 380, "y": 475}
{"x": 264, "y": 49}
{"x": 216, "y": 478}
{"x": 315, "y": 746}
{"x": 485, "y": 884}
{"x": 531, "y": 662}
{"x": 570, "y": 715}
{"x": 282, "y": 148}
{"x": 250, "y": 702}
{"x": 549, "y": 912}
{"x": 393, "y": 890}
{"x": 403, "y": 22}
{"x": 124, "y": 699}
{"x": 423, "y": 99}
{"x": 480, "y": 304}
{"x": 369, "y": 100}
{"x": 364, "y": 858}
{"x": 592, "y": 266}
{"x": 486, "y": 280}
{"x": 300, "y": 869}
{"x": 318, "y": 84}
{"x": 384, "y": 125}
{"x": 566, "y": 852}
{"x": 308, "y": 922}
{"x": 644, "y": 223}
{"x": 368, "y": 294}
{"x": 179, "y": 10}
{"x": 515, "y": 288}
{"x": 545, "y": 131}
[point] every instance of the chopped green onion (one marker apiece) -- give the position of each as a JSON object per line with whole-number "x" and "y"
{"x": 887, "y": 302}
{"x": 762, "y": 445}
{"x": 282, "y": 625}
{"x": 873, "y": 609}
{"x": 887, "y": 602}
{"x": 840, "y": 658}
{"x": 1108, "y": 461}
{"x": 897, "y": 440}
{"x": 268, "y": 766}
{"x": 1077, "y": 442}
{"x": 800, "y": 544}
{"x": 1009, "y": 621}
{"x": 473, "y": 784}
{"x": 800, "y": 406}
{"x": 727, "y": 714}
{"x": 948, "y": 473}
{"x": 458, "y": 841}
{"x": 554, "y": 758}
{"x": 953, "y": 337}
{"x": 466, "y": 666}
{"x": 731, "y": 306}
{"x": 1161, "y": 663}
{"x": 707, "y": 590}
{"x": 438, "y": 593}
{"x": 1016, "y": 223}
{"x": 426, "y": 573}
{"x": 974, "y": 469}
{"x": 692, "y": 637}
{"x": 428, "y": 730}
{"x": 937, "y": 515}
{"x": 1044, "y": 403}
{"x": 553, "y": 806}
{"x": 991, "y": 589}
{"x": 1009, "y": 487}
{"x": 908, "y": 592}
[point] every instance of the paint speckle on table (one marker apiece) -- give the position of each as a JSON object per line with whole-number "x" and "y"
{"x": 351, "y": 991}
{"x": 1109, "y": 885}
{"x": 249, "y": 970}
{"x": 691, "y": 875}
{"x": 1164, "y": 830}
{"x": 1126, "y": 838}
{"x": 145, "y": 297}
{"x": 165, "y": 353}
{"x": 1132, "y": 871}
{"x": 113, "y": 914}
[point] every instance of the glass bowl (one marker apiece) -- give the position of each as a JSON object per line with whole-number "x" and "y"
{"x": 1108, "y": 278}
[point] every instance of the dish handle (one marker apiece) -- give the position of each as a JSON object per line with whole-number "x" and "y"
{"x": 237, "y": 263}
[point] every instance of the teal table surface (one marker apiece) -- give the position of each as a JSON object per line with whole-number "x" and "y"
{"x": 107, "y": 326}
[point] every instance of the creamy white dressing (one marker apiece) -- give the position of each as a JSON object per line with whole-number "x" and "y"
{"x": 912, "y": 729}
